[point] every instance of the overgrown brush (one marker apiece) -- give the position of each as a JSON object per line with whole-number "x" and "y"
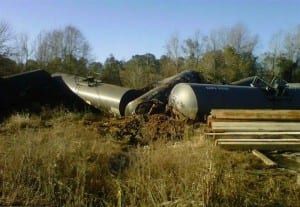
{"x": 57, "y": 159}
{"x": 64, "y": 164}
{"x": 204, "y": 175}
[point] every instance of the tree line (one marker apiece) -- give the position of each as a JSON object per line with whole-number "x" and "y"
{"x": 224, "y": 55}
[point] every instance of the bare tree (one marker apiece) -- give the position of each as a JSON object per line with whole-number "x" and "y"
{"x": 42, "y": 48}
{"x": 237, "y": 37}
{"x": 22, "y": 49}
{"x": 217, "y": 39}
{"x": 61, "y": 43}
{"x": 56, "y": 44}
{"x": 75, "y": 43}
{"x": 276, "y": 50}
{"x": 173, "y": 50}
{"x": 292, "y": 44}
{"x": 5, "y": 38}
{"x": 240, "y": 38}
{"x": 194, "y": 47}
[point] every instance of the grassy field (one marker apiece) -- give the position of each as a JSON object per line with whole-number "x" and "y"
{"x": 62, "y": 158}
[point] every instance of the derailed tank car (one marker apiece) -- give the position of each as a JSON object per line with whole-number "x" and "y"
{"x": 195, "y": 101}
{"x": 156, "y": 99}
{"x": 106, "y": 97}
{"x": 24, "y": 88}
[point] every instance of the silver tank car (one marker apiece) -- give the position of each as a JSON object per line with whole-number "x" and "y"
{"x": 195, "y": 101}
{"x": 106, "y": 97}
{"x": 156, "y": 99}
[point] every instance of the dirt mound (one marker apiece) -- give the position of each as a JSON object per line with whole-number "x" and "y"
{"x": 142, "y": 128}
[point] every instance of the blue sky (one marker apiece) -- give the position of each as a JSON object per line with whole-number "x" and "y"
{"x": 128, "y": 27}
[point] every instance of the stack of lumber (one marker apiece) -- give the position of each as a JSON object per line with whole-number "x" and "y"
{"x": 255, "y": 129}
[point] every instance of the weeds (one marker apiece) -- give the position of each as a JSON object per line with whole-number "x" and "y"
{"x": 60, "y": 158}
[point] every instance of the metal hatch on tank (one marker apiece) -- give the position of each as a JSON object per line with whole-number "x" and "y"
{"x": 195, "y": 101}
{"x": 107, "y": 97}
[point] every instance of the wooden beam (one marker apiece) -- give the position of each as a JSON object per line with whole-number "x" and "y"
{"x": 264, "y": 158}
{"x": 260, "y": 140}
{"x": 255, "y": 126}
{"x": 256, "y": 114}
{"x": 258, "y": 144}
{"x": 255, "y": 135}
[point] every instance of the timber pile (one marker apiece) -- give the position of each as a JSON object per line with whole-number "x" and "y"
{"x": 265, "y": 130}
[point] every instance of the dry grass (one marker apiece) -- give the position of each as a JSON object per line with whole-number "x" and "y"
{"x": 64, "y": 163}
{"x": 55, "y": 159}
{"x": 203, "y": 175}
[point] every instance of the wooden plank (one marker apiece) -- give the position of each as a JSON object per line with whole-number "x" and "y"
{"x": 234, "y": 120}
{"x": 264, "y": 158}
{"x": 256, "y": 114}
{"x": 209, "y": 120}
{"x": 255, "y": 126}
{"x": 256, "y": 135}
{"x": 260, "y": 140}
{"x": 259, "y": 145}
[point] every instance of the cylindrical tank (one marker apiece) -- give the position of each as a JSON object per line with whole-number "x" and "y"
{"x": 158, "y": 96}
{"x": 195, "y": 101}
{"x": 25, "y": 87}
{"x": 244, "y": 81}
{"x": 106, "y": 97}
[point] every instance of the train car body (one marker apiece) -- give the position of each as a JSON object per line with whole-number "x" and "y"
{"x": 23, "y": 88}
{"x": 156, "y": 99}
{"x": 110, "y": 98}
{"x": 185, "y": 93}
{"x": 195, "y": 101}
